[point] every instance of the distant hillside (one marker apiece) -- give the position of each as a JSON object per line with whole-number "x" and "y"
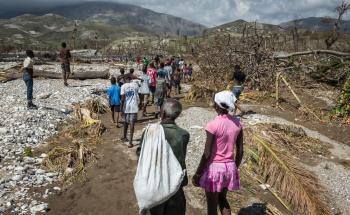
{"x": 315, "y": 24}
{"x": 238, "y": 26}
{"x": 117, "y": 14}
{"x": 50, "y": 30}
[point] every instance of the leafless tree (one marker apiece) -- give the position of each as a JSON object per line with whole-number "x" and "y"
{"x": 295, "y": 34}
{"x": 334, "y": 36}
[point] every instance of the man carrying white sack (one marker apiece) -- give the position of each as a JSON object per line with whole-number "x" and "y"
{"x": 161, "y": 172}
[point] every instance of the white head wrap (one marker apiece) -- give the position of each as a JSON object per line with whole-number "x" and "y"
{"x": 225, "y": 98}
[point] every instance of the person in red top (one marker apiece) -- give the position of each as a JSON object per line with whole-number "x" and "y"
{"x": 138, "y": 61}
{"x": 152, "y": 73}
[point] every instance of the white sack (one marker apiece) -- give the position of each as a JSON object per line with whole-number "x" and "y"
{"x": 159, "y": 174}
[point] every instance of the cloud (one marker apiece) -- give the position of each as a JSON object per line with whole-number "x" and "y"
{"x": 216, "y": 12}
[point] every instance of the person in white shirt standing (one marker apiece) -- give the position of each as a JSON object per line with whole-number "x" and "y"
{"x": 130, "y": 104}
{"x": 28, "y": 71}
{"x": 144, "y": 91}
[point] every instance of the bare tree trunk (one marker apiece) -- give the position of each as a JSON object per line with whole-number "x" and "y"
{"x": 314, "y": 52}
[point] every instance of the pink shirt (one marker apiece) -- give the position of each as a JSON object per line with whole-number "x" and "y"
{"x": 152, "y": 73}
{"x": 226, "y": 129}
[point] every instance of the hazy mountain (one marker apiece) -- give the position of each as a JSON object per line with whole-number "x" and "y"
{"x": 118, "y": 14}
{"x": 315, "y": 24}
{"x": 50, "y": 30}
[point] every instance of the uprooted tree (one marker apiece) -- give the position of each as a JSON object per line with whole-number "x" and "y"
{"x": 257, "y": 53}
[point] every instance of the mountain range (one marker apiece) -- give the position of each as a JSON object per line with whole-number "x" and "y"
{"x": 310, "y": 24}
{"x": 48, "y": 25}
{"x": 315, "y": 24}
{"x": 118, "y": 14}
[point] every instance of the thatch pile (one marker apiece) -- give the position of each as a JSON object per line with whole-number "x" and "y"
{"x": 72, "y": 157}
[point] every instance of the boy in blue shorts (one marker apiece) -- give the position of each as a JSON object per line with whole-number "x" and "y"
{"x": 114, "y": 100}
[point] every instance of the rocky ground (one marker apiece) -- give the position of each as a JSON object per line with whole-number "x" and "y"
{"x": 22, "y": 129}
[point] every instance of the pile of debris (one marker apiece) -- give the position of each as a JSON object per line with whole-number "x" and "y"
{"x": 81, "y": 138}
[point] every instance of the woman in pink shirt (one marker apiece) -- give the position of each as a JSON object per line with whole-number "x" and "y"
{"x": 152, "y": 73}
{"x": 218, "y": 172}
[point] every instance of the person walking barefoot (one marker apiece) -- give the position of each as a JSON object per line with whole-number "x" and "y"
{"x": 217, "y": 172}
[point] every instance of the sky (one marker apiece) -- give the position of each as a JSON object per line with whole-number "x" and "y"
{"x": 216, "y": 12}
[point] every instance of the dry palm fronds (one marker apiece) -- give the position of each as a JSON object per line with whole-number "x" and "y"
{"x": 59, "y": 159}
{"x": 97, "y": 105}
{"x": 95, "y": 127}
{"x": 272, "y": 210}
{"x": 296, "y": 185}
{"x": 74, "y": 156}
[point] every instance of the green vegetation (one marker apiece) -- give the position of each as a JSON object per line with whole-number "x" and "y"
{"x": 28, "y": 152}
{"x": 343, "y": 104}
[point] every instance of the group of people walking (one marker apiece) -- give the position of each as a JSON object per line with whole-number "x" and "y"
{"x": 217, "y": 172}
{"x": 130, "y": 93}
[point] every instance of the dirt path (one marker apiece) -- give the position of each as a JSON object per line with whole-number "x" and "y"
{"x": 109, "y": 185}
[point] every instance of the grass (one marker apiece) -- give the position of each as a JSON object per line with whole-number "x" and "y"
{"x": 28, "y": 152}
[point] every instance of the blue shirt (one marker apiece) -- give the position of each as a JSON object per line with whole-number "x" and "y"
{"x": 162, "y": 73}
{"x": 114, "y": 95}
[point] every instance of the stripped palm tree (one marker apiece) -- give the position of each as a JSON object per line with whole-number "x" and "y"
{"x": 297, "y": 186}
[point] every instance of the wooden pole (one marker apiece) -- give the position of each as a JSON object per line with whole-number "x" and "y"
{"x": 290, "y": 88}
{"x": 277, "y": 88}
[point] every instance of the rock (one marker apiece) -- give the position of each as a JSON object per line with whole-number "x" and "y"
{"x": 39, "y": 208}
{"x": 43, "y": 155}
{"x": 51, "y": 174}
{"x": 57, "y": 189}
{"x": 44, "y": 95}
{"x": 40, "y": 171}
{"x": 20, "y": 169}
{"x": 17, "y": 177}
{"x": 3, "y": 130}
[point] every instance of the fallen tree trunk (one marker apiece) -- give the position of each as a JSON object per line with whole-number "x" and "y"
{"x": 14, "y": 73}
{"x": 315, "y": 52}
{"x": 76, "y": 75}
